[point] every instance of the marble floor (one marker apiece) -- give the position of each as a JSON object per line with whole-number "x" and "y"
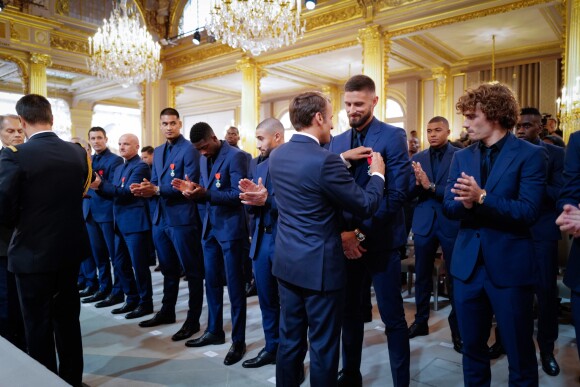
{"x": 118, "y": 352}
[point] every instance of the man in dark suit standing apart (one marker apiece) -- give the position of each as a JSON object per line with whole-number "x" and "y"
{"x": 431, "y": 228}
{"x": 495, "y": 189}
{"x": 371, "y": 243}
{"x": 176, "y": 226}
{"x": 569, "y": 222}
{"x": 259, "y": 196}
{"x": 225, "y": 236}
{"x": 233, "y": 137}
{"x": 546, "y": 235}
{"x": 132, "y": 229}
{"x": 312, "y": 185}
{"x": 98, "y": 212}
{"x": 50, "y": 238}
{"x": 11, "y": 324}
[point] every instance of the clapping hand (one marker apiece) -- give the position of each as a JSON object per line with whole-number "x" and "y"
{"x": 253, "y": 194}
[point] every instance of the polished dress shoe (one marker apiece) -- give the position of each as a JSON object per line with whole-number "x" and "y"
{"x": 349, "y": 379}
{"x": 98, "y": 296}
{"x": 110, "y": 301}
{"x": 126, "y": 308}
{"x": 457, "y": 343}
{"x": 207, "y": 338}
{"x": 88, "y": 291}
{"x": 236, "y": 352}
{"x": 251, "y": 289}
{"x": 158, "y": 319}
{"x": 496, "y": 350}
{"x": 264, "y": 358}
{"x": 140, "y": 311}
{"x": 188, "y": 329}
{"x": 549, "y": 363}
{"x": 418, "y": 329}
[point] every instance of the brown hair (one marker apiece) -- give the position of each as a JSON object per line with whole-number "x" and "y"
{"x": 360, "y": 83}
{"x": 495, "y": 100}
{"x": 304, "y": 107}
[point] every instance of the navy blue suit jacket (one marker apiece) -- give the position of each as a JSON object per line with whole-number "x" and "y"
{"x": 224, "y": 210}
{"x": 385, "y": 230}
{"x": 98, "y": 205}
{"x": 429, "y": 207}
{"x": 570, "y": 194}
{"x": 131, "y": 213}
{"x": 501, "y": 226}
{"x": 175, "y": 209}
{"x": 312, "y": 186}
{"x": 266, "y": 215}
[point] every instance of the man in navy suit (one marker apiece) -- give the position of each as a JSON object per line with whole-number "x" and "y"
{"x": 371, "y": 243}
{"x": 225, "y": 236}
{"x": 98, "y": 213}
{"x": 176, "y": 226}
{"x": 569, "y": 222}
{"x": 259, "y": 196}
{"x": 132, "y": 229}
{"x": 546, "y": 235}
{"x": 431, "y": 228}
{"x": 312, "y": 185}
{"x": 42, "y": 183}
{"x": 495, "y": 189}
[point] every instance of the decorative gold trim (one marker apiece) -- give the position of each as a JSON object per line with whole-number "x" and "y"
{"x": 203, "y": 77}
{"x": 61, "y": 43}
{"x": 14, "y": 34}
{"x": 42, "y": 59}
{"x": 304, "y": 54}
{"x": 431, "y": 48}
{"x": 70, "y": 69}
{"x": 62, "y": 7}
{"x": 318, "y": 21}
{"x": 198, "y": 55}
{"x": 22, "y": 70}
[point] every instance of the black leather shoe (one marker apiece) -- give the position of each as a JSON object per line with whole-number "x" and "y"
{"x": 88, "y": 291}
{"x": 110, "y": 301}
{"x": 549, "y": 363}
{"x": 263, "y": 358}
{"x": 349, "y": 379}
{"x": 418, "y": 329}
{"x": 457, "y": 343}
{"x": 158, "y": 319}
{"x": 140, "y": 311}
{"x": 496, "y": 350}
{"x": 251, "y": 290}
{"x": 126, "y": 308}
{"x": 98, "y": 296}
{"x": 207, "y": 338}
{"x": 236, "y": 352}
{"x": 188, "y": 329}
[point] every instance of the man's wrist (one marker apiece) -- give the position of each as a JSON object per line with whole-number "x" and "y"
{"x": 359, "y": 235}
{"x": 482, "y": 197}
{"x": 432, "y": 187}
{"x": 158, "y": 190}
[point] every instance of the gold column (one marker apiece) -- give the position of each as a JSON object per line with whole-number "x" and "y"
{"x": 333, "y": 92}
{"x": 250, "y": 116}
{"x": 81, "y": 116}
{"x": 570, "y": 108}
{"x": 374, "y": 56}
{"x": 441, "y": 102}
{"x": 38, "y": 64}
{"x": 155, "y": 96}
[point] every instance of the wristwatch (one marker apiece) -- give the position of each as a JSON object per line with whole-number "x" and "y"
{"x": 158, "y": 190}
{"x": 432, "y": 187}
{"x": 359, "y": 235}
{"x": 482, "y": 197}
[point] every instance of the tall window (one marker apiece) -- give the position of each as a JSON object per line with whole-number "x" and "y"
{"x": 395, "y": 114}
{"x": 288, "y": 128}
{"x": 117, "y": 121}
{"x": 189, "y": 19}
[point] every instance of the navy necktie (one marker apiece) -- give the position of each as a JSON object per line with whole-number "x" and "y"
{"x": 358, "y": 139}
{"x": 435, "y": 161}
{"x": 485, "y": 165}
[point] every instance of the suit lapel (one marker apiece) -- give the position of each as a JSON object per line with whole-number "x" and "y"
{"x": 218, "y": 163}
{"x": 476, "y": 164}
{"x": 426, "y": 164}
{"x": 504, "y": 159}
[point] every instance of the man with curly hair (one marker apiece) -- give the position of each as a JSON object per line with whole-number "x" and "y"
{"x": 495, "y": 189}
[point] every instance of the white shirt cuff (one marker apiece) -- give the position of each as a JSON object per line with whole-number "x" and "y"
{"x": 348, "y": 165}
{"x": 379, "y": 175}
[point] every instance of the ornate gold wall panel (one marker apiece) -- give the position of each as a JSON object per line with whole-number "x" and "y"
{"x": 67, "y": 44}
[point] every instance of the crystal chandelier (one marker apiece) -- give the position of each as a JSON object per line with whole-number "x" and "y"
{"x": 256, "y": 25}
{"x": 122, "y": 50}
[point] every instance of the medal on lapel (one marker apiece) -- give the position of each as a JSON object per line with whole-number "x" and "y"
{"x": 217, "y": 177}
{"x": 101, "y": 172}
{"x": 123, "y": 182}
{"x": 172, "y": 166}
{"x": 369, "y": 161}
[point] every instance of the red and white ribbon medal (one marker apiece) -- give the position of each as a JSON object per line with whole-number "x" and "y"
{"x": 123, "y": 182}
{"x": 172, "y": 166}
{"x": 369, "y": 161}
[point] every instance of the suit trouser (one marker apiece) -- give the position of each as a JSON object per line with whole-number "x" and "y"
{"x": 228, "y": 257}
{"x": 11, "y": 324}
{"x": 318, "y": 314}
{"x": 51, "y": 308}
{"x": 179, "y": 247}
{"x": 102, "y": 237}
{"x": 385, "y": 270}
{"x": 575, "y": 300}
{"x": 477, "y": 300}
{"x": 88, "y": 273}
{"x": 267, "y": 287}
{"x": 126, "y": 246}
{"x": 546, "y": 253}
{"x": 425, "y": 250}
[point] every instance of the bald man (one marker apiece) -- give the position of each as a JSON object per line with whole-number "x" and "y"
{"x": 132, "y": 227}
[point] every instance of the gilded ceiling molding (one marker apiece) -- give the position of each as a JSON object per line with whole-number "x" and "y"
{"x": 43, "y": 59}
{"x": 62, "y": 7}
{"x": 430, "y": 47}
{"x": 369, "y": 9}
{"x": 337, "y": 16}
{"x": 317, "y": 51}
{"x": 204, "y": 77}
{"x": 175, "y": 13}
{"x": 71, "y": 69}
{"x": 22, "y": 69}
{"x": 62, "y": 43}
{"x": 198, "y": 55}
{"x": 470, "y": 16}
{"x": 14, "y": 34}
{"x": 394, "y": 3}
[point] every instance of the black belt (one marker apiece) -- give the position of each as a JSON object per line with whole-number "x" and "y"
{"x": 268, "y": 229}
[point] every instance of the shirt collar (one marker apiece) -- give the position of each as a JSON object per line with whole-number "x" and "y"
{"x": 498, "y": 145}
{"x": 441, "y": 149}
{"x": 309, "y": 135}
{"x": 43, "y": 131}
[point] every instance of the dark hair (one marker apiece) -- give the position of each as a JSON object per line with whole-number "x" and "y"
{"x": 34, "y": 109}
{"x": 360, "y": 83}
{"x": 147, "y": 148}
{"x": 97, "y": 129}
{"x": 530, "y": 111}
{"x": 439, "y": 119}
{"x": 169, "y": 112}
{"x": 233, "y": 127}
{"x": 200, "y": 131}
{"x": 495, "y": 100}
{"x": 304, "y": 107}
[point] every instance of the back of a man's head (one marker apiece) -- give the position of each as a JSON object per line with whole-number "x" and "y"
{"x": 200, "y": 131}
{"x": 271, "y": 125}
{"x": 34, "y": 109}
{"x": 360, "y": 83}
{"x": 304, "y": 107}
